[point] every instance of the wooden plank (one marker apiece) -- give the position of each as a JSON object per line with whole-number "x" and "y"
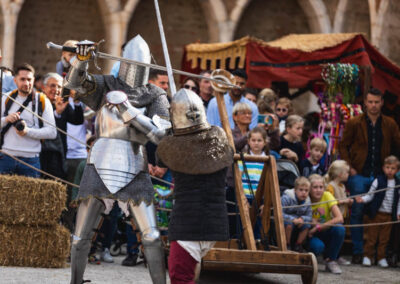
{"x": 250, "y": 158}
{"x": 239, "y": 192}
{"x": 276, "y": 202}
{"x": 231, "y": 244}
{"x": 266, "y": 214}
{"x": 243, "y": 210}
{"x": 257, "y": 267}
{"x": 224, "y": 118}
{"x": 261, "y": 257}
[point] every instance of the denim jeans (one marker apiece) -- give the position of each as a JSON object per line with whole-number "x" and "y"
{"x": 132, "y": 245}
{"x": 328, "y": 242}
{"x": 109, "y": 227}
{"x": 358, "y": 184}
{"x": 10, "y": 166}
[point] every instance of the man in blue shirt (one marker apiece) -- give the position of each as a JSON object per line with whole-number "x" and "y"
{"x": 231, "y": 98}
{"x": 8, "y": 80}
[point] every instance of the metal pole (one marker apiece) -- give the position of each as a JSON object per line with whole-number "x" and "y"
{"x": 165, "y": 49}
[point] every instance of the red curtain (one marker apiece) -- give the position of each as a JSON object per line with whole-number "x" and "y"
{"x": 265, "y": 64}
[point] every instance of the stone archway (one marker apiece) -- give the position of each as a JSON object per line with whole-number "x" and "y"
{"x": 268, "y": 21}
{"x": 41, "y": 21}
{"x": 352, "y": 16}
{"x": 182, "y": 21}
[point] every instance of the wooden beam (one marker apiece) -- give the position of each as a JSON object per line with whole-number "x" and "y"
{"x": 250, "y": 158}
{"x": 261, "y": 257}
{"x": 276, "y": 202}
{"x": 239, "y": 192}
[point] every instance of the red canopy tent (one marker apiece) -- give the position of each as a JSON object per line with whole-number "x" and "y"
{"x": 297, "y": 59}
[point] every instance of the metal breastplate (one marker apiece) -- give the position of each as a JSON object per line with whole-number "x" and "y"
{"x": 117, "y": 155}
{"x": 110, "y": 125}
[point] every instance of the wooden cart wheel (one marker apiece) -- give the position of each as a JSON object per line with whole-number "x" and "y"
{"x": 311, "y": 276}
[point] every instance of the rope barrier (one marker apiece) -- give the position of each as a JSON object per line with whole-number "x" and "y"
{"x": 171, "y": 184}
{"x": 340, "y": 199}
{"x": 350, "y": 225}
{"x": 49, "y": 123}
{"x": 39, "y": 170}
{"x": 60, "y": 179}
{"x": 72, "y": 137}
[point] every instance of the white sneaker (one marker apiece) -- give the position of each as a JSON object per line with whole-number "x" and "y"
{"x": 383, "y": 263}
{"x": 106, "y": 256}
{"x": 366, "y": 261}
{"x": 333, "y": 266}
{"x": 343, "y": 261}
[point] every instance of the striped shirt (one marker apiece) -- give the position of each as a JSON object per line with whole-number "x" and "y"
{"x": 254, "y": 169}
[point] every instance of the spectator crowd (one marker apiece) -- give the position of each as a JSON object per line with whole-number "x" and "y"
{"x": 315, "y": 203}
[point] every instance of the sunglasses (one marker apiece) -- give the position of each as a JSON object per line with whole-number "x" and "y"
{"x": 193, "y": 88}
{"x": 282, "y": 109}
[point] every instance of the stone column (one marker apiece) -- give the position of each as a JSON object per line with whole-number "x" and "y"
{"x": 116, "y": 17}
{"x": 317, "y": 15}
{"x": 377, "y": 12}
{"x": 11, "y": 9}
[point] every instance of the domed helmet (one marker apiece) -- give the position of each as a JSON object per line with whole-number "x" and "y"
{"x": 187, "y": 113}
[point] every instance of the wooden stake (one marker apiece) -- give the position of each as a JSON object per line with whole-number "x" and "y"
{"x": 240, "y": 196}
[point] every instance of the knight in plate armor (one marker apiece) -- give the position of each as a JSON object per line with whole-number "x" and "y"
{"x": 130, "y": 113}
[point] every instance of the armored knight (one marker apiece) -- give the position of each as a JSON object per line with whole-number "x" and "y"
{"x": 117, "y": 165}
{"x": 199, "y": 216}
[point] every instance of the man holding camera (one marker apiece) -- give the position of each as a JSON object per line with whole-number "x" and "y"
{"x": 21, "y": 131}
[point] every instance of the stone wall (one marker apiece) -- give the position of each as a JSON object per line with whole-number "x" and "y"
{"x": 392, "y": 37}
{"x": 269, "y": 20}
{"x": 356, "y": 18}
{"x": 183, "y": 23}
{"x": 41, "y": 21}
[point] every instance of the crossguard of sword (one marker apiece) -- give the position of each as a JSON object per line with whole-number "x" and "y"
{"x": 224, "y": 77}
{"x": 92, "y": 49}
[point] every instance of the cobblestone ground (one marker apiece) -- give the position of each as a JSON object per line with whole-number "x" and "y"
{"x": 115, "y": 273}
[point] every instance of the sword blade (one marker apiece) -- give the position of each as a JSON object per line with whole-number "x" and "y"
{"x": 51, "y": 45}
{"x": 163, "y": 68}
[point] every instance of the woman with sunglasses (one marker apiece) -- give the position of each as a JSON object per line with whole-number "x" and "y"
{"x": 191, "y": 84}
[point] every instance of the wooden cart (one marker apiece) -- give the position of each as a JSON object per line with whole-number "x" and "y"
{"x": 255, "y": 259}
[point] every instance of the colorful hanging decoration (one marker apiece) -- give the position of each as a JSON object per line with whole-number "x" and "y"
{"x": 337, "y": 104}
{"x": 341, "y": 78}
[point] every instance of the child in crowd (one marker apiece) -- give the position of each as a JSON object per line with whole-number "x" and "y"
{"x": 251, "y": 171}
{"x": 324, "y": 238}
{"x": 294, "y": 218}
{"x": 257, "y": 146}
{"x": 312, "y": 164}
{"x": 338, "y": 173}
{"x": 283, "y": 109}
{"x": 291, "y": 147}
{"x": 383, "y": 206}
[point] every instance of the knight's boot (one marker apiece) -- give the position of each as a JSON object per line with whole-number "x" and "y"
{"x": 87, "y": 221}
{"x": 145, "y": 218}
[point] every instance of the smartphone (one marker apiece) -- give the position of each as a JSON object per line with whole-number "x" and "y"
{"x": 265, "y": 119}
{"x": 65, "y": 94}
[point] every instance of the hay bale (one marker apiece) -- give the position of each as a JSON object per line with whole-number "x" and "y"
{"x": 30, "y": 201}
{"x": 46, "y": 246}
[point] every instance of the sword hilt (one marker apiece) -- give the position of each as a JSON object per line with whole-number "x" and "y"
{"x": 52, "y": 45}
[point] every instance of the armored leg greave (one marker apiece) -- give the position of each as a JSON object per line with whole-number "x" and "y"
{"x": 87, "y": 221}
{"x": 145, "y": 219}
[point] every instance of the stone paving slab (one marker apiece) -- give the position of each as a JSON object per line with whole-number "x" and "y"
{"x": 106, "y": 273}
